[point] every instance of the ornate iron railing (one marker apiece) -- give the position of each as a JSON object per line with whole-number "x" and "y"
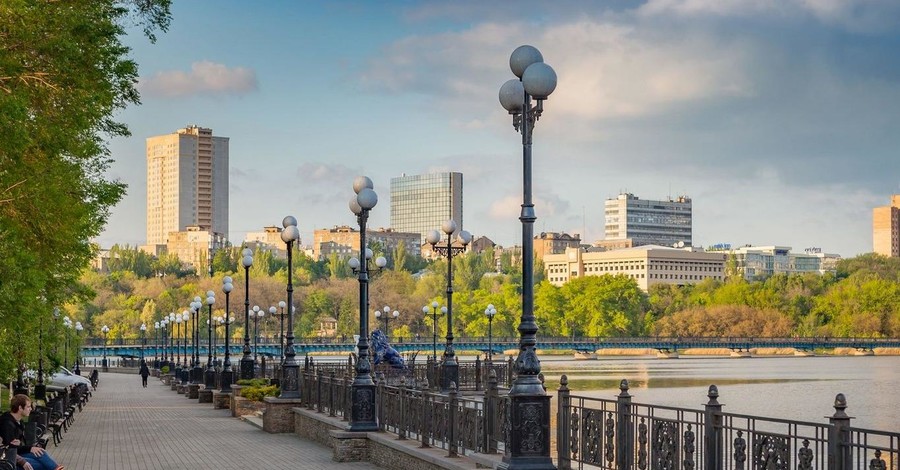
{"x": 619, "y": 434}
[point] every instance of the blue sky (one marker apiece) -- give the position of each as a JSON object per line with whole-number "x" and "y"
{"x": 778, "y": 117}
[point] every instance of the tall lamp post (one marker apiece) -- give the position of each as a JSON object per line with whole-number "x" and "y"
{"x": 529, "y": 417}
{"x": 434, "y": 312}
{"x": 78, "y": 329}
{"x": 362, "y": 413}
{"x": 143, "y": 339}
{"x": 247, "y": 361}
{"x": 67, "y": 323}
{"x": 290, "y": 368}
{"x": 209, "y": 381}
{"x": 186, "y": 369}
{"x": 387, "y": 317}
{"x": 175, "y": 346}
{"x": 196, "y": 370}
{"x": 227, "y": 373}
{"x": 281, "y": 306}
{"x": 256, "y": 315}
{"x": 103, "y": 364}
{"x": 156, "y": 326}
{"x": 490, "y": 311}
{"x": 449, "y": 365}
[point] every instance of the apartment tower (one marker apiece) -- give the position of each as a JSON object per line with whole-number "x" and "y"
{"x": 886, "y": 228}
{"x": 421, "y": 203}
{"x": 187, "y": 183}
{"x": 646, "y": 222}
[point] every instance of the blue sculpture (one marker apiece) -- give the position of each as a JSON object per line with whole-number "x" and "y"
{"x": 383, "y": 351}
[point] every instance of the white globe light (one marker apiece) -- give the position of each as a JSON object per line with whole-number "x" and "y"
{"x": 522, "y": 57}
{"x": 362, "y": 182}
{"x": 367, "y": 199}
{"x": 539, "y": 80}
{"x": 512, "y": 96}
{"x": 289, "y": 221}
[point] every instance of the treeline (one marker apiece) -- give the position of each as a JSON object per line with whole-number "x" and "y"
{"x": 862, "y": 299}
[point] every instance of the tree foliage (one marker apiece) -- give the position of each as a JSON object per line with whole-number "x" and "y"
{"x": 64, "y": 73}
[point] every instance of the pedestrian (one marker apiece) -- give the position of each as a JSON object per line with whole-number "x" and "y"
{"x": 145, "y": 372}
{"x": 12, "y": 433}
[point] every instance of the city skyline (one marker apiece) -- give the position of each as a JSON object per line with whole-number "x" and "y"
{"x": 775, "y": 117}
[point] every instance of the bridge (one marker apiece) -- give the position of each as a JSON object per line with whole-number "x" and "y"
{"x": 132, "y": 348}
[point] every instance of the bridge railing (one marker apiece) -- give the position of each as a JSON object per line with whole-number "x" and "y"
{"x": 472, "y": 374}
{"x": 612, "y": 434}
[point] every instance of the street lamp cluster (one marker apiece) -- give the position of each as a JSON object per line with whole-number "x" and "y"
{"x": 449, "y": 366}
{"x": 529, "y": 420}
{"x": 387, "y": 316}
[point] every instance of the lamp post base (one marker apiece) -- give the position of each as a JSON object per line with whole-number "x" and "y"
{"x": 362, "y": 413}
{"x": 209, "y": 378}
{"x": 197, "y": 375}
{"x": 246, "y": 368}
{"x": 225, "y": 380}
{"x": 449, "y": 374}
{"x": 290, "y": 381}
{"x": 529, "y": 432}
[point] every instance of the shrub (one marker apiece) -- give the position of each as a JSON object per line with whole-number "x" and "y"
{"x": 257, "y": 393}
{"x": 253, "y": 382}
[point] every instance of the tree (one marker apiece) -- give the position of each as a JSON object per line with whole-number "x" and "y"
{"x": 64, "y": 73}
{"x": 400, "y": 256}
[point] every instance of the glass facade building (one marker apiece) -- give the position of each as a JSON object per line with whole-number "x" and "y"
{"x": 421, "y": 203}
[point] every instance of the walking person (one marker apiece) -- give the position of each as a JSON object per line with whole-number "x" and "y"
{"x": 145, "y": 372}
{"x": 12, "y": 432}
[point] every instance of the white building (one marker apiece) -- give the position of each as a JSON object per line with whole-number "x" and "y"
{"x": 756, "y": 262}
{"x": 647, "y": 265}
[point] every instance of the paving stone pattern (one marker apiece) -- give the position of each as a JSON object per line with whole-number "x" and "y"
{"x": 128, "y": 427}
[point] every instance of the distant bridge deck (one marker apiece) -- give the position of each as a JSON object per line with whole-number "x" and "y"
{"x": 132, "y": 348}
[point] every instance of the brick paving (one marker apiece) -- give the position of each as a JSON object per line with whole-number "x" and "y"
{"x": 128, "y": 427}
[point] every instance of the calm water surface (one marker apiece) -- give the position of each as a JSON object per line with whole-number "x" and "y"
{"x": 799, "y": 388}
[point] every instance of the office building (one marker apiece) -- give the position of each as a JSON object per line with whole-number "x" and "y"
{"x": 187, "y": 184}
{"x": 760, "y": 262}
{"x": 886, "y": 228}
{"x": 646, "y": 222}
{"x": 646, "y": 264}
{"x": 421, "y": 203}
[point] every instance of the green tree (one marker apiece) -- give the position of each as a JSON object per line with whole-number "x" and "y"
{"x": 400, "y": 256}
{"x": 64, "y": 73}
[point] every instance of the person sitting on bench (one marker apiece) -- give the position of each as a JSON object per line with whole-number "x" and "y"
{"x": 12, "y": 432}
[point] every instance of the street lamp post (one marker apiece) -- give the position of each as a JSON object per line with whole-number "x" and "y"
{"x": 387, "y": 316}
{"x": 143, "y": 339}
{"x": 103, "y": 364}
{"x": 362, "y": 414}
{"x": 226, "y": 378}
{"x": 196, "y": 370}
{"x": 67, "y": 323}
{"x": 433, "y": 311}
{"x": 529, "y": 417}
{"x": 210, "y": 377}
{"x": 156, "y": 326}
{"x": 186, "y": 368}
{"x": 175, "y": 342}
{"x": 256, "y": 316}
{"x": 449, "y": 365}
{"x": 490, "y": 311}
{"x": 281, "y": 305}
{"x": 247, "y": 361}
{"x": 290, "y": 368}
{"x": 78, "y": 330}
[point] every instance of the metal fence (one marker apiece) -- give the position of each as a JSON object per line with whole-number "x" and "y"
{"x": 618, "y": 434}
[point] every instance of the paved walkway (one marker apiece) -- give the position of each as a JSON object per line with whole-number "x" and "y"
{"x": 128, "y": 427}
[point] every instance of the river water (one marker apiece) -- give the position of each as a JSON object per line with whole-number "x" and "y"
{"x": 797, "y": 388}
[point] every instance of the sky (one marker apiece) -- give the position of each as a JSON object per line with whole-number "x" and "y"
{"x": 779, "y": 118}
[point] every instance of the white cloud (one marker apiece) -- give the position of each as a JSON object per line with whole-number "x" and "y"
{"x": 204, "y": 78}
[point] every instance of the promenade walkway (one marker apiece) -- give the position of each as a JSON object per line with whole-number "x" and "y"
{"x": 128, "y": 427}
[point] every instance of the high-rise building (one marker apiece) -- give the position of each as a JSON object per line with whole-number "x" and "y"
{"x": 646, "y": 222}
{"x": 421, "y": 203}
{"x": 187, "y": 183}
{"x": 886, "y": 228}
